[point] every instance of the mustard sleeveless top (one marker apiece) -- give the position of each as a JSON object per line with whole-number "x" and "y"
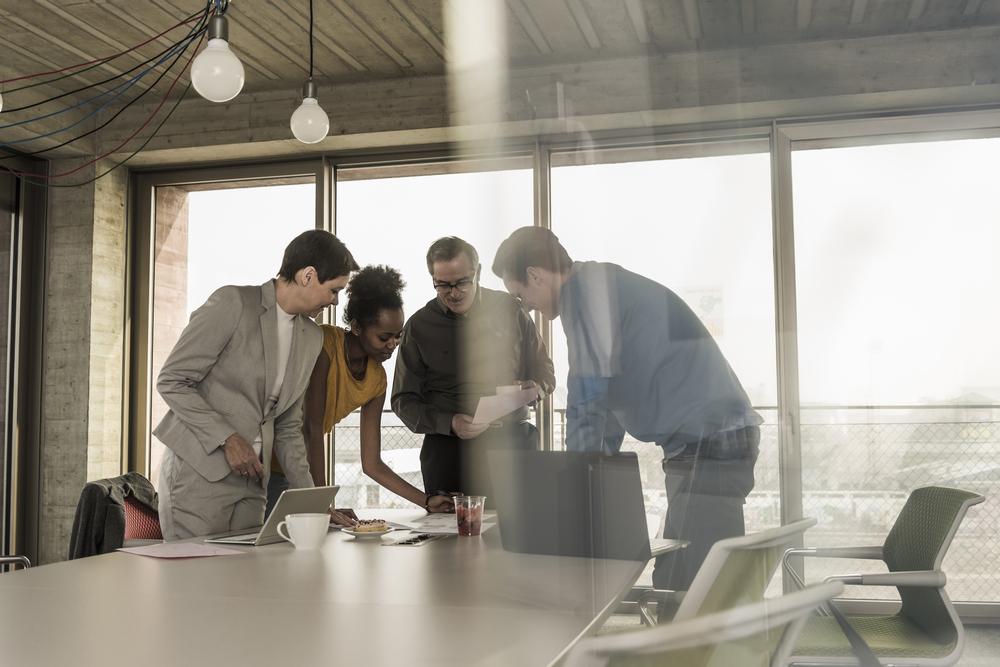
{"x": 345, "y": 393}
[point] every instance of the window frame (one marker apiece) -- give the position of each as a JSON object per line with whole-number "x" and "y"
{"x": 782, "y": 135}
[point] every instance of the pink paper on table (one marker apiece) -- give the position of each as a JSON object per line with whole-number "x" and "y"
{"x": 491, "y": 408}
{"x": 180, "y": 550}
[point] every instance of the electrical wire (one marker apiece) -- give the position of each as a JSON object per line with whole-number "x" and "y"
{"x": 96, "y": 63}
{"x": 180, "y": 47}
{"x": 310, "y": 39}
{"x": 177, "y": 57}
{"x": 176, "y": 51}
{"x": 117, "y": 164}
{"x": 97, "y": 83}
{"x": 121, "y": 88}
{"x": 127, "y": 139}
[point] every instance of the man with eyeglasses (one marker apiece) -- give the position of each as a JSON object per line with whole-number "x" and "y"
{"x": 461, "y": 346}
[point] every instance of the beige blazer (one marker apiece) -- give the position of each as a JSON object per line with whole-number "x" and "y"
{"x": 217, "y": 378}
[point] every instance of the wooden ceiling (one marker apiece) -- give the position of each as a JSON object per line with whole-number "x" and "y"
{"x": 385, "y": 39}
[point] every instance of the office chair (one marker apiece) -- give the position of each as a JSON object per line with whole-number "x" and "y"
{"x": 754, "y": 635}
{"x": 112, "y": 511}
{"x": 736, "y": 571}
{"x": 926, "y": 632}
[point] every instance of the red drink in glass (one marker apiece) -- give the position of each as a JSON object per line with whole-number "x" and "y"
{"x": 469, "y": 513}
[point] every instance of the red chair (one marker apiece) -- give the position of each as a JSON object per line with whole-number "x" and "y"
{"x": 141, "y": 523}
{"x": 112, "y": 513}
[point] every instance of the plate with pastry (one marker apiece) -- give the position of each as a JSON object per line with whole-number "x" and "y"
{"x": 367, "y": 528}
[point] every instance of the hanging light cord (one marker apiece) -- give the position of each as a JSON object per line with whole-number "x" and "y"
{"x": 121, "y": 88}
{"x": 310, "y": 39}
{"x": 173, "y": 53}
{"x": 117, "y": 164}
{"x": 179, "y": 53}
{"x": 98, "y": 83}
{"x": 127, "y": 139}
{"x": 93, "y": 63}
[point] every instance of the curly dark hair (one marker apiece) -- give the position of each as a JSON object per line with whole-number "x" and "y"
{"x": 370, "y": 290}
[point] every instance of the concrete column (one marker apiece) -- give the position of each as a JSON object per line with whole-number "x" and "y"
{"x": 83, "y": 347}
{"x": 107, "y": 317}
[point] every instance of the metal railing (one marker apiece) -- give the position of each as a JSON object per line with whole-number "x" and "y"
{"x": 859, "y": 465}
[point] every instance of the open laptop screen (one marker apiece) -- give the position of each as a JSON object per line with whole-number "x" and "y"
{"x": 293, "y": 501}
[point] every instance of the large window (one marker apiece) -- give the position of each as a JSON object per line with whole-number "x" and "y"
{"x": 208, "y": 237}
{"x": 391, "y": 215}
{"x": 897, "y": 286}
{"x": 702, "y": 227}
{"x": 885, "y": 340}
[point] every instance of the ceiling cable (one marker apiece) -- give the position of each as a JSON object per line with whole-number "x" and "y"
{"x": 94, "y": 63}
{"x": 138, "y": 97}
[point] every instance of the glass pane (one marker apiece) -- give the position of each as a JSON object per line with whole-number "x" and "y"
{"x": 393, "y": 220}
{"x": 702, "y": 227}
{"x": 207, "y": 239}
{"x": 896, "y": 272}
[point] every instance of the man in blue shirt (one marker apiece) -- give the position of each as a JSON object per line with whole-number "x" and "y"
{"x": 642, "y": 363}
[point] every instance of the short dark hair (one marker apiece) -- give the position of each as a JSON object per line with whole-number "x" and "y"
{"x": 370, "y": 290}
{"x": 321, "y": 250}
{"x": 530, "y": 246}
{"x": 448, "y": 248}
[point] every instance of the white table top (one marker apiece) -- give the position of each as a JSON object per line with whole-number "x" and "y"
{"x": 454, "y": 601}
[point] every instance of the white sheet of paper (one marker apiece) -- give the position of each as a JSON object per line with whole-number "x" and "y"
{"x": 492, "y": 408}
{"x": 445, "y": 524}
{"x": 180, "y": 550}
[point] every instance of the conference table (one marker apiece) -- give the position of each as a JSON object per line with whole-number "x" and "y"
{"x": 450, "y": 601}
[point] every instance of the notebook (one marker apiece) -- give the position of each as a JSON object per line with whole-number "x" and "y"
{"x": 293, "y": 501}
{"x": 570, "y": 504}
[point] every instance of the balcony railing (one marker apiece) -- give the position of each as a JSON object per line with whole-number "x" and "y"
{"x": 859, "y": 463}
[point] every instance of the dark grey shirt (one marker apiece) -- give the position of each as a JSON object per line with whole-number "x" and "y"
{"x": 640, "y": 361}
{"x": 447, "y": 362}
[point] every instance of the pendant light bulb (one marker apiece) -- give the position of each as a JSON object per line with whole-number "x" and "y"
{"x": 310, "y": 124}
{"x": 216, "y": 73}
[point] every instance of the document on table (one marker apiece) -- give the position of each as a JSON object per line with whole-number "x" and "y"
{"x": 492, "y": 408}
{"x": 180, "y": 550}
{"x": 445, "y": 524}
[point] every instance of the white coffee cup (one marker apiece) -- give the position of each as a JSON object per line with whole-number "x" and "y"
{"x": 508, "y": 389}
{"x": 305, "y": 531}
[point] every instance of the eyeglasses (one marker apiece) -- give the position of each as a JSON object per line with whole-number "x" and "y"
{"x": 463, "y": 285}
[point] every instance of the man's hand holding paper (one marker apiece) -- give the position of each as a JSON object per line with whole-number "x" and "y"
{"x": 506, "y": 401}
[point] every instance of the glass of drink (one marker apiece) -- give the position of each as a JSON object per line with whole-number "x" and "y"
{"x": 469, "y": 512}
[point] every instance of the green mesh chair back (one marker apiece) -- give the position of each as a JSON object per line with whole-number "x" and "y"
{"x": 919, "y": 539}
{"x": 755, "y": 635}
{"x": 738, "y": 570}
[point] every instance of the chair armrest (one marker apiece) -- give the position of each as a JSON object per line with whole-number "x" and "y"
{"x": 865, "y": 553}
{"x": 661, "y": 597}
{"x": 921, "y": 578}
{"x": 15, "y": 560}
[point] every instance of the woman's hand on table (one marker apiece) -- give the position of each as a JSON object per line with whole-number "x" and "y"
{"x": 440, "y": 503}
{"x": 344, "y": 517}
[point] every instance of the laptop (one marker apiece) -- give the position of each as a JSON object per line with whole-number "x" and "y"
{"x": 570, "y": 504}
{"x": 293, "y": 501}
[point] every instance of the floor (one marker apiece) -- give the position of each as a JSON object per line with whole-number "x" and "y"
{"x": 982, "y": 647}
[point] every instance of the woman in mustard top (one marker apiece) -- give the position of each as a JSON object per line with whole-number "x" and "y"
{"x": 348, "y": 375}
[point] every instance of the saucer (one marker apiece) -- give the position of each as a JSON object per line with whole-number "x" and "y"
{"x": 366, "y": 534}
